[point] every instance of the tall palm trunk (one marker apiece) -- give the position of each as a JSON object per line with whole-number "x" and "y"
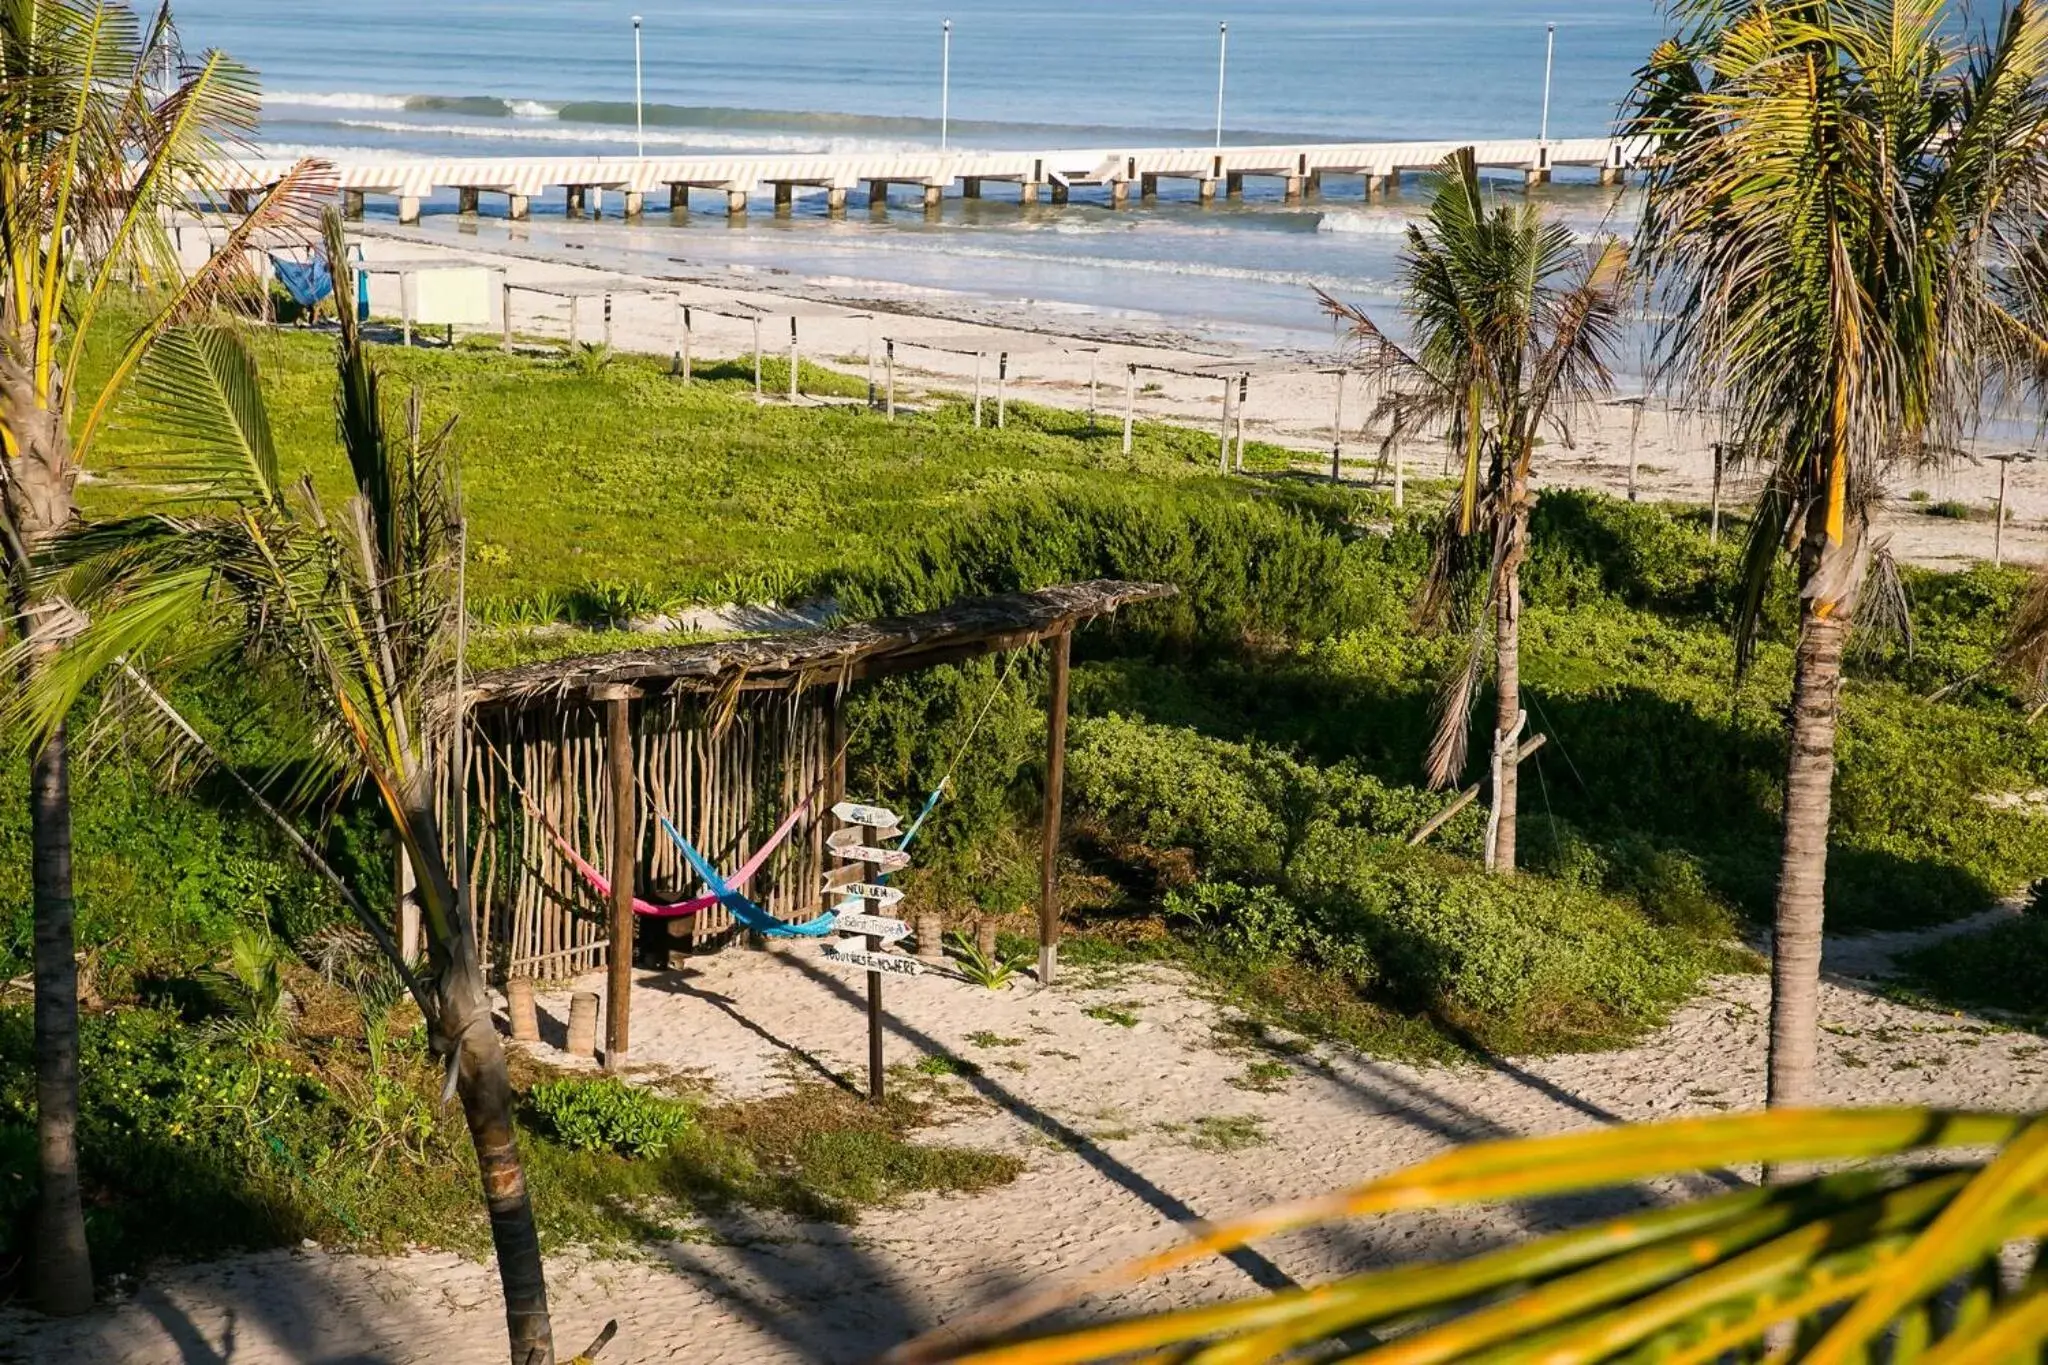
{"x": 465, "y": 1031}
{"x": 1831, "y": 582}
{"x": 38, "y": 506}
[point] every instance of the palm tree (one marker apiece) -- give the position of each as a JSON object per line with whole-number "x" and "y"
{"x": 358, "y": 603}
{"x": 104, "y": 133}
{"x": 1837, "y": 185}
{"x": 1513, "y": 322}
{"x": 1821, "y": 1271}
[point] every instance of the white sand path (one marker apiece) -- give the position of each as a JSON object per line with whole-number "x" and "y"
{"x": 1109, "y": 1120}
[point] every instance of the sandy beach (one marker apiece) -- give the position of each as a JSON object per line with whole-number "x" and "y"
{"x": 1069, "y": 359}
{"x": 1127, "y": 1131}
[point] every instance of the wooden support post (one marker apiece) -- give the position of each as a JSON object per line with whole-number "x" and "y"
{"x": 835, "y": 201}
{"x": 795, "y": 361}
{"x": 465, "y": 201}
{"x": 618, "y": 1000}
{"x": 520, "y": 1011}
{"x": 970, "y": 187}
{"x": 1055, "y": 795}
{"x": 408, "y": 209}
{"x": 934, "y": 196}
{"x": 607, "y": 322}
{"x": 1290, "y": 189}
{"x": 352, "y": 204}
{"x": 518, "y": 207}
{"x": 573, "y": 301}
{"x": 1205, "y": 191}
{"x": 1998, "y": 529}
{"x": 404, "y": 305}
{"x": 572, "y": 201}
{"x": 877, "y": 1072}
{"x": 1002, "y": 389}
{"x": 689, "y": 331}
{"x": 785, "y": 198}
{"x": 636, "y": 201}
{"x": 1223, "y": 444}
{"x": 1148, "y": 187}
{"x": 1635, "y": 431}
{"x": 735, "y": 204}
{"x": 1233, "y": 184}
{"x": 1244, "y": 393}
{"x": 1119, "y": 194}
{"x": 678, "y": 198}
{"x": 505, "y": 315}
{"x": 1060, "y": 191}
{"x": 890, "y": 400}
{"x": 1130, "y": 403}
{"x": 1337, "y": 434}
{"x": 1027, "y": 193}
{"x": 758, "y": 397}
{"x": 1714, "y": 507}
{"x": 878, "y": 195}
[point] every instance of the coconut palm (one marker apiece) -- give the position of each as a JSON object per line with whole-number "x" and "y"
{"x": 1836, "y": 193}
{"x": 105, "y": 131}
{"x": 1901, "y": 1249}
{"x": 1513, "y": 321}
{"x": 358, "y": 603}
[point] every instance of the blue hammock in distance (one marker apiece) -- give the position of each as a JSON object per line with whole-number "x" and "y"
{"x": 310, "y": 283}
{"x": 744, "y": 910}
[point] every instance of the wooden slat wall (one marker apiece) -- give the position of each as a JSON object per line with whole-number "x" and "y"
{"x": 535, "y": 916}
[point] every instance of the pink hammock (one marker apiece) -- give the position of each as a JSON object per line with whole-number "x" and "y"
{"x": 603, "y": 886}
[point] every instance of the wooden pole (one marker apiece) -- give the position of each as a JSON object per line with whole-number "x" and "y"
{"x": 1244, "y": 393}
{"x": 891, "y": 346}
{"x": 1998, "y": 531}
{"x": 1635, "y": 430}
{"x": 1130, "y": 403}
{"x": 574, "y": 303}
{"x": 504, "y": 316}
{"x": 1002, "y": 389}
{"x": 607, "y": 322}
{"x": 1714, "y": 508}
{"x": 795, "y": 360}
{"x": 1055, "y": 795}
{"x": 618, "y": 998}
{"x": 1337, "y": 434}
{"x": 1223, "y": 450}
{"x": 1468, "y": 796}
{"x": 877, "y": 1075}
{"x": 689, "y": 329}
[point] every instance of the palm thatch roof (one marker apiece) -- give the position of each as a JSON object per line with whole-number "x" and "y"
{"x": 812, "y": 658}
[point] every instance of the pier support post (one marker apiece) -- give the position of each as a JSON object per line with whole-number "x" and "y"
{"x": 1205, "y": 190}
{"x": 735, "y": 203}
{"x": 835, "y": 201}
{"x": 970, "y": 187}
{"x": 1148, "y": 187}
{"x": 408, "y": 208}
{"x": 1375, "y": 186}
{"x": 1027, "y": 193}
{"x": 518, "y": 207}
{"x": 678, "y": 198}
{"x": 465, "y": 201}
{"x": 878, "y": 194}
{"x": 573, "y": 199}
{"x": 1119, "y": 194}
{"x": 1059, "y": 192}
{"x": 785, "y": 198}
{"x": 1291, "y": 189}
{"x": 635, "y": 202}
{"x": 352, "y": 204}
{"x": 1533, "y": 176}
{"x": 934, "y": 195}
{"x": 1233, "y": 184}
{"x": 1613, "y": 175}
{"x": 1314, "y": 186}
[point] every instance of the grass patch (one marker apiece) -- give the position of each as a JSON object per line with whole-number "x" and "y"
{"x": 1123, "y": 1015}
{"x": 987, "y": 1038}
{"x": 938, "y": 1064}
{"x": 2004, "y": 967}
{"x": 1222, "y": 1133}
{"x": 1264, "y": 1078}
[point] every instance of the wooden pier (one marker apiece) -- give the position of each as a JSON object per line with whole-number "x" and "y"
{"x": 739, "y": 180}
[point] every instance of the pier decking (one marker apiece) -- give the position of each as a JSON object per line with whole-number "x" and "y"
{"x": 741, "y": 179}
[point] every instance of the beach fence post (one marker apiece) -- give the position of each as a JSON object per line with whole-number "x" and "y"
{"x": 1714, "y": 504}
{"x": 689, "y": 327}
{"x": 405, "y": 299}
{"x": 1337, "y": 434}
{"x": 795, "y": 360}
{"x": 890, "y": 344}
{"x": 573, "y": 302}
{"x": 676, "y": 353}
{"x": 1998, "y": 527}
{"x": 1055, "y": 794}
{"x": 1635, "y": 430}
{"x": 607, "y": 322}
{"x": 1130, "y": 402}
{"x": 758, "y": 398}
{"x": 618, "y": 1005}
{"x": 1223, "y": 450}
{"x": 1244, "y": 393}
{"x": 1002, "y": 389}
{"x": 505, "y": 316}
{"x": 977, "y": 387}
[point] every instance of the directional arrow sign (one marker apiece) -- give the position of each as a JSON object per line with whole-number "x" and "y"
{"x": 878, "y": 817}
{"x": 888, "y": 859}
{"x": 879, "y": 926}
{"x": 840, "y": 878}
{"x": 881, "y": 895}
{"x": 852, "y": 837}
{"x": 874, "y": 962}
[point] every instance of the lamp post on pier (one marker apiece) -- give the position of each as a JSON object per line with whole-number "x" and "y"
{"x": 639, "y": 120}
{"x": 1222, "y": 64}
{"x": 1549, "y": 56}
{"x": 945, "y": 81}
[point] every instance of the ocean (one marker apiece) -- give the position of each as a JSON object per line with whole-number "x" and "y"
{"x": 520, "y": 78}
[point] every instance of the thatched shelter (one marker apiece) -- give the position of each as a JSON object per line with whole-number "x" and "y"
{"x": 723, "y": 738}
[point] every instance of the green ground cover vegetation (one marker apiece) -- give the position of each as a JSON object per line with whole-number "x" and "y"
{"x": 1244, "y": 776}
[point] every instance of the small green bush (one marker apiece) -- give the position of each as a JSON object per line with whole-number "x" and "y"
{"x": 2004, "y": 967}
{"x": 608, "y": 1115}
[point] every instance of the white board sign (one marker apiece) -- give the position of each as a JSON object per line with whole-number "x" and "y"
{"x": 888, "y": 859}
{"x": 879, "y": 926}
{"x": 854, "y": 813}
{"x": 840, "y": 878}
{"x": 874, "y": 962}
{"x": 874, "y": 891}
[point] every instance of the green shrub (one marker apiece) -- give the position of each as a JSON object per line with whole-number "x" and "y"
{"x": 606, "y": 1114}
{"x": 1263, "y": 928}
{"x": 2004, "y": 967}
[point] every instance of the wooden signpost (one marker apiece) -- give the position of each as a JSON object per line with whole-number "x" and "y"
{"x": 857, "y": 842}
